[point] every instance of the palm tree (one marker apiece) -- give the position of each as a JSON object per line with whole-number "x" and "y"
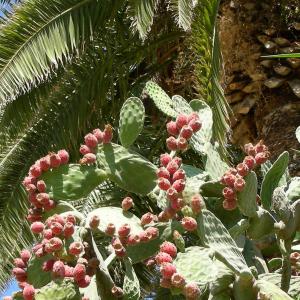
{"x": 66, "y": 66}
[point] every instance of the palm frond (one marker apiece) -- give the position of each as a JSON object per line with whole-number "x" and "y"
{"x": 208, "y": 65}
{"x": 142, "y": 12}
{"x": 183, "y": 12}
{"x": 40, "y": 35}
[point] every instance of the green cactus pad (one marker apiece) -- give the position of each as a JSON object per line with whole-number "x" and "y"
{"x": 160, "y": 98}
{"x": 91, "y": 292}
{"x": 281, "y": 205}
{"x": 191, "y": 171}
{"x": 271, "y": 290}
{"x": 73, "y": 181}
{"x": 272, "y": 178}
{"x": 212, "y": 189}
{"x": 199, "y": 261}
{"x": 192, "y": 187}
{"x": 214, "y": 165}
{"x": 293, "y": 189}
{"x": 214, "y": 235}
{"x": 36, "y": 276}
{"x": 59, "y": 290}
{"x": 298, "y": 134}
{"x": 181, "y": 105}
{"x": 294, "y": 290}
{"x": 116, "y": 216}
{"x": 221, "y": 296}
{"x": 61, "y": 207}
{"x": 131, "y": 121}
{"x": 17, "y": 296}
{"x": 260, "y": 225}
{"x": 131, "y": 285}
{"x": 247, "y": 197}
{"x": 127, "y": 169}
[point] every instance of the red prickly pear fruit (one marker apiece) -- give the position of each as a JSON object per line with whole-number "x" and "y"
{"x": 79, "y": 272}
{"x": 193, "y": 116}
{"x": 147, "y": 218}
{"x": 37, "y": 247}
{"x": 85, "y": 282}
{"x": 45, "y": 163}
{"x": 34, "y": 218}
{"x": 162, "y": 217}
{"x": 55, "y": 244}
{"x": 133, "y": 239}
{"x": 181, "y": 120}
{"x": 168, "y": 247}
{"x": 50, "y": 205}
{"x": 28, "y": 292}
{"x": 94, "y": 262}
{"x": 186, "y": 132}
{"x": 177, "y": 204}
{"x": 117, "y": 244}
{"x": 69, "y": 271}
{"x": 107, "y": 134}
{"x": 42, "y": 198}
{"x": 239, "y": 184}
{"x": 170, "y": 212}
{"x": 22, "y": 284}
{"x": 90, "y": 140}
{"x": 165, "y": 283}
{"x": 70, "y": 218}
{"x": 48, "y": 265}
{"x": 179, "y": 185}
{"x": 124, "y": 230}
{"x": 84, "y": 149}
{"x": 40, "y": 252}
{"x": 167, "y": 270}
{"x": 94, "y": 222}
{"x": 262, "y": 157}
{"x": 56, "y": 228}
{"x": 228, "y": 179}
{"x": 229, "y": 193}
{"x": 150, "y": 262}
{"x": 58, "y": 269}
{"x": 182, "y": 144}
{"x": 172, "y": 128}
{"x": 229, "y": 204}
{"x": 29, "y": 180}
{"x": 178, "y": 280}
{"x": 55, "y": 160}
{"x": 179, "y": 174}
{"x": 69, "y": 229}
{"x": 145, "y": 236}
{"x": 35, "y": 171}
{"x": 163, "y": 172}
{"x": 189, "y": 223}
{"x": 177, "y": 160}
{"x": 171, "y": 143}
{"x": 117, "y": 292}
{"x": 83, "y": 261}
{"x": 88, "y": 159}
{"x": 260, "y": 147}
{"x": 98, "y": 134}
{"x": 37, "y": 227}
{"x": 165, "y": 159}
{"x": 20, "y": 274}
{"x": 55, "y": 218}
{"x": 127, "y": 203}
{"x": 110, "y": 229}
{"x": 163, "y": 257}
{"x": 120, "y": 252}
{"x": 197, "y": 203}
{"x": 19, "y": 263}
{"x": 172, "y": 194}
{"x": 75, "y": 248}
{"x": 41, "y": 186}
{"x": 294, "y": 257}
{"x": 196, "y": 125}
{"x": 249, "y": 161}
{"x": 64, "y": 156}
{"x": 25, "y": 255}
{"x": 153, "y": 231}
{"x": 31, "y": 188}
{"x": 192, "y": 291}
{"x": 163, "y": 183}
{"x": 242, "y": 169}
{"x": 250, "y": 149}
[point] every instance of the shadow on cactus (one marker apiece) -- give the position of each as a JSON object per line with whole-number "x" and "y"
{"x": 250, "y": 251}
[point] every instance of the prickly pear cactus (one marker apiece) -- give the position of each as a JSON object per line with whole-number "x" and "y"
{"x": 202, "y": 230}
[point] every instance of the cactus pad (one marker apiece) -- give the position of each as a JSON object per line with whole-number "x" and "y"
{"x": 59, "y": 290}
{"x": 272, "y": 178}
{"x": 91, "y": 292}
{"x": 214, "y": 235}
{"x": 127, "y": 169}
{"x": 160, "y": 98}
{"x": 131, "y": 285}
{"x": 281, "y": 205}
{"x": 116, "y": 216}
{"x": 181, "y": 105}
{"x": 293, "y": 189}
{"x": 73, "y": 181}
{"x": 212, "y": 189}
{"x": 271, "y": 291}
{"x": 131, "y": 120}
{"x": 247, "y": 197}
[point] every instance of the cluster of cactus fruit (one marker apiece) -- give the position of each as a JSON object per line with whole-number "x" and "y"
{"x": 197, "y": 248}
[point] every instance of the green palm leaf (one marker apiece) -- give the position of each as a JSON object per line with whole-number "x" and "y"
{"x": 183, "y": 12}
{"x": 42, "y": 34}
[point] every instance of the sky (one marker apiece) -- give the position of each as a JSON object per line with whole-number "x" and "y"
{"x": 13, "y": 287}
